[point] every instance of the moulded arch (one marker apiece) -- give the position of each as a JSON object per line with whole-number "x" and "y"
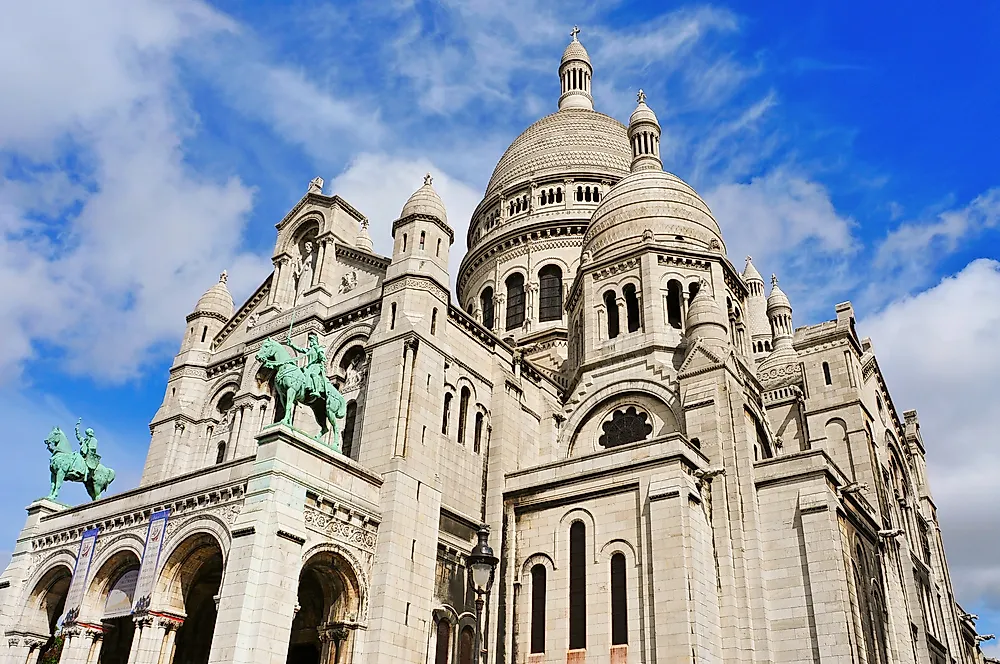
{"x": 294, "y": 232}
{"x": 562, "y": 534}
{"x": 558, "y": 261}
{"x": 464, "y": 381}
{"x": 352, "y": 564}
{"x": 357, "y": 334}
{"x": 46, "y": 594}
{"x": 645, "y": 393}
{"x": 116, "y": 560}
{"x": 63, "y": 557}
{"x": 538, "y": 558}
{"x": 618, "y": 545}
{"x": 230, "y": 382}
{"x": 196, "y": 536}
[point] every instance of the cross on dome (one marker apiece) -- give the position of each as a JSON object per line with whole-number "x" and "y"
{"x": 641, "y": 97}
{"x": 223, "y": 277}
{"x": 774, "y": 280}
{"x": 428, "y": 179}
{"x": 574, "y": 32}
{"x": 749, "y": 258}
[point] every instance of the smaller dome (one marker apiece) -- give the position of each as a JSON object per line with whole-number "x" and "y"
{"x": 575, "y": 50}
{"x": 705, "y": 319}
{"x": 425, "y": 201}
{"x": 777, "y": 298}
{"x": 364, "y": 240}
{"x": 216, "y": 299}
{"x": 750, "y": 273}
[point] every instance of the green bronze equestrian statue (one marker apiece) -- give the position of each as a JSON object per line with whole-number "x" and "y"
{"x": 308, "y": 386}
{"x": 84, "y": 466}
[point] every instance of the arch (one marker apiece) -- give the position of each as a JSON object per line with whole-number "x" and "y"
{"x": 307, "y": 226}
{"x": 559, "y": 195}
{"x": 228, "y": 383}
{"x": 47, "y": 598}
{"x": 220, "y": 452}
{"x": 477, "y": 444}
{"x": 582, "y": 431}
{"x": 693, "y": 289}
{"x": 109, "y": 598}
{"x": 515, "y": 300}
{"x": 329, "y": 595}
{"x": 538, "y": 588}
{"x": 674, "y": 289}
{"x": 423, "y": 240}
{"x": 611, "y": 308}
{"x": 187, "y": 585}
{"x": 486, "y": 304}
{"x": 442, "y": 648}
{"x": 632, "y": 312}
{"x": 463, "y": 413}
{"x": 446, "y": 415}
{"x": 466, "y": 641}
{"x": 619, "y": 600}
{"x": 550, "y": 297}
{"x": 578, "y": 560}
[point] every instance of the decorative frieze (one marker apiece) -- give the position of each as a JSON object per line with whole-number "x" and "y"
{"x": 361, "y": 535}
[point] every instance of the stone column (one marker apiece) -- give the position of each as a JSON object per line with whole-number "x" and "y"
{"x": 79, "y": 645}
{"x": 409, "y": 357}
{"x": 146, "y": 642}
{"x": 498, "y": 311}
{"x": 97, "y": 642}
{"x": 170, "y": 627}
{"x": 31, "y": 649}
{"x": 275, "y": 280}
{"x": 622, "y": 316}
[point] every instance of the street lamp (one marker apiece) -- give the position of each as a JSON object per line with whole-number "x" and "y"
{"x": 482, "y": 570}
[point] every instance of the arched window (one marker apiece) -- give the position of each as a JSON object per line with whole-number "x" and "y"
{"x": 463, "y": 412}
{"x": 826, "y": 373}
{"x": 559, "y": 198}
{"x": 597, "y": 195}
{"x": 349, "y": 422}
{"x": 579, "y": 193}
{"x": 693, "y": 290}
{"x": 486, "y": 304}
{"x": 612, "y": 306}
{"x": 423, "y": 239}
{"x": 552, "y": 197}
{"x": 550, "y": 302}
{"x": 515, "y": 300}
{"x": 447, "y": 413}
{"x": 466, "y": 643}
{"x": 577, "y": 586}
{"x": 434, "y": 320}
{"x": 631, "y": 307}
{"x": 538, "y": 609}
{"x": 619, "y": 601}
{"x": 442, "y": 653}
{"x": 674, "y": 303}
{"x": 478, "y": 439}
{"x": 220, "y": 454}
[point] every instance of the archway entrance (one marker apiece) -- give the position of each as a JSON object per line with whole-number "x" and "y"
{"x": 110, "y": 601}
{"x": 189, "y": 585}
{"x": 45, "y": 606}
{"x": 328, "y": 605}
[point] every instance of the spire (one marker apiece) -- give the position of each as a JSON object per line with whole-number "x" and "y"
{"x": 644, "y": 135}
{"x": 750, "y": 273}
{"x": 575, "y": 74}
{"x": 779, "y": 313}
{"x": 705, "y": 319}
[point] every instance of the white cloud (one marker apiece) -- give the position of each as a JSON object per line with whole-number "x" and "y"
{"x": 939, "y": 353}
{"x": 110, "y": 236}
{"x": 379, "y": 185}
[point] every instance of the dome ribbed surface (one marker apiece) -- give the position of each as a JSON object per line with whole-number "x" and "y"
{"x": 572, "y": 140}
{"x": 653, "y": 201}
{"x": 216, "y": 300}
{"x": 425, "y": 201}
{"x": 777, "y": 298}
{"x": 575, "y": 51}
{"x": 704, "y": 310}
{"x": 643, "y": 113}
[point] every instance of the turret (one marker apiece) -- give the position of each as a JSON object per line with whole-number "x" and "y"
{"x": 779, "y": 313}
{"x": 644, "y": 135}
{"x": 422, "y": 237}
{"x": 211, "y": 313}
{"x": 757, "y": 323}
{"x": 575, "y": 74}
{"x": 705, "y": 318}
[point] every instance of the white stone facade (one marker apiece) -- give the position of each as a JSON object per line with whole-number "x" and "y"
{"x": 671, "y": 471}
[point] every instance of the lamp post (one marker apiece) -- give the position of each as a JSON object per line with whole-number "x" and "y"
{"x": 482, "y": 571}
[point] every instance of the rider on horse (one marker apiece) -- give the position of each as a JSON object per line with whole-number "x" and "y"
{"x": 88, "y": 447}
{"x": 315, "y": 369}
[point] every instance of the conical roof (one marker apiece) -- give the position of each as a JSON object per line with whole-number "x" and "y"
{"x": 425, "y": 201}
{"x": 750, "y": 272}
{"x": 217, "y": 299}
{"x": 705, "y": 318}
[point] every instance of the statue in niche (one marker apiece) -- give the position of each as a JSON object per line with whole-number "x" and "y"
{"x": 355, "y": 371}
{"x": 304, "y": 267}
{"x": 349, "y": 282}
{"x": 84, "y": 466}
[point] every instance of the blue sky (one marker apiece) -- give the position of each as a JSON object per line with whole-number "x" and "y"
{"x": 144, "y": 147}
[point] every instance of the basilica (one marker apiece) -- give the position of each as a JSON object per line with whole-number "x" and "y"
{"x": 629, "y": 432}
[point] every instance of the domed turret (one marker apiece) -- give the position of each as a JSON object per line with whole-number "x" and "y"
{"x": 575, "y": 74}
{"x": 364, "y": 240}
{"x": 779, "y": 312}
{"x": 425, "y": 201}
{"x": 757, "y": 323}
{"x": 217, "y": 299}
{"x": 705, "y": 319}
{"x": 644, "y": 135}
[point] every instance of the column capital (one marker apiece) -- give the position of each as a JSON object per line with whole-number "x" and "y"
{"x": 168, "y": 623}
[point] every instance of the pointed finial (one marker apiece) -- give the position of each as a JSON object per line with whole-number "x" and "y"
{"x": 749, "y": 258}
{"x": 641, "y": 97}
{"x": 428, "y": 179}
{"x": 774, "y": 280}
{"x": 223, "y": 277}
{"x": 574, "y": 32}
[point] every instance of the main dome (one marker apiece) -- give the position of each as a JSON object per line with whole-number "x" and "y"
{"x": 572, "y": 140}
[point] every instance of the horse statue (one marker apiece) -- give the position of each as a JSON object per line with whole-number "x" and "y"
{"x": 67, "y": 464}
{"x": 311, "y": 387}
